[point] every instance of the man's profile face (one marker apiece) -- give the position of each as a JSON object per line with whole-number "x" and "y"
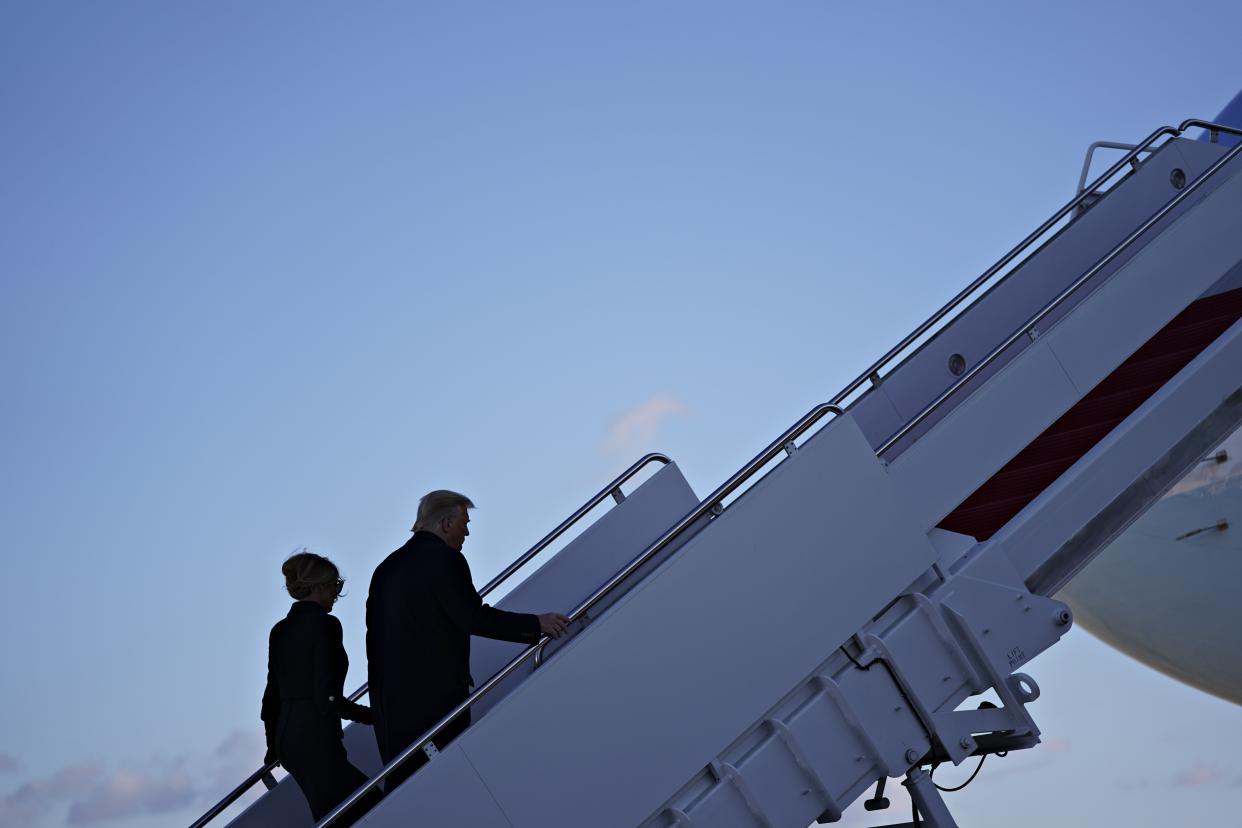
{"x": 456, "y": 528}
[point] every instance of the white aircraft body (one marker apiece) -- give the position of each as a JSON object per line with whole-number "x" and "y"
{"x": 1165, "y": 591}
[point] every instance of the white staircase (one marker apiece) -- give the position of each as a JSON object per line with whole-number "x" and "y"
{"x": 821, "y": 622}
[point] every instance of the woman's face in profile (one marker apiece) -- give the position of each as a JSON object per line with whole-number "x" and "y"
{"x": 327, "y": 594}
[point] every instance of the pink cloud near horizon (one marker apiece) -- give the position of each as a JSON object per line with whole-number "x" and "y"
{"x": 26, "y": 806}
{"x": 90, "y": 793}
{"x": 1197, "y": 777}
{"x": 633, "y": 430}
{"x": 126, "y": 793}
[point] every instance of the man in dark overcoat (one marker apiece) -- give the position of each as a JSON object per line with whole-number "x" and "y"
{"x": 421, "y": 611}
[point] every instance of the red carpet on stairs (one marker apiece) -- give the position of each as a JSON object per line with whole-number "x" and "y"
{"x": 1034, "y": 468}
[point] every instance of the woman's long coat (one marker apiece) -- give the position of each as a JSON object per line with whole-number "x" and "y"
{"x": 304, "y": 703}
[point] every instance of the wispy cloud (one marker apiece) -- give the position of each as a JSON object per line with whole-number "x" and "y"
{"x": 634, "y": 429}
{"x": 91, "y": 793}
{"x": 1134, "y": 783}
{"x": 1199, "y": 776}
{"x": 1055, "y": 744}
{"x": 128, "y": 793}
{"x": 30, "y": 802}
{"x": 235, "y": 758}
{"x": 247, "y": 745}
{"x": 9, "y": 763}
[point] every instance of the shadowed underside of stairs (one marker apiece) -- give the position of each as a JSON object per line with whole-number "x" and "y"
{"x": 1005, "y": 494}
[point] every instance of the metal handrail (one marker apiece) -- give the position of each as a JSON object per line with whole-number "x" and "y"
{"x": 952, "y": 304}
{"x": 707, "y": 506}
{"x": 1033, "y": 321}
{"x": 1211, "y": 127}
{"x": 234, "y": 795}
{"x": 612, "y": 490}
{"x": 1086, "y": 164}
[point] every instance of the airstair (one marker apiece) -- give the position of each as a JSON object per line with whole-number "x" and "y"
{"x": 822, "y": 622}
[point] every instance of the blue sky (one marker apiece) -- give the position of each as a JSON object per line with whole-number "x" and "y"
{"x": 271, "y": 271}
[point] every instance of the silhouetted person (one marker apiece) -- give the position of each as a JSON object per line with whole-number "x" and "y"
{"x": 304, "y": 701}
{"x": 421, "y": 612}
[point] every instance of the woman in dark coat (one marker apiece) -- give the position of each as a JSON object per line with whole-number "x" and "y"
{"x": 304, "y": 701}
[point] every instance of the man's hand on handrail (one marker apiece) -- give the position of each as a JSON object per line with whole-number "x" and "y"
{"x": 553, "y": 624}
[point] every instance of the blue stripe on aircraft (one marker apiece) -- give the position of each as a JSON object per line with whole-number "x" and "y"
{"x": 1231, "y": 115}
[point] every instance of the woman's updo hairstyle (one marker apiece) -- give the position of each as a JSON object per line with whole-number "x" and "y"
{"x": 305, "y": 572}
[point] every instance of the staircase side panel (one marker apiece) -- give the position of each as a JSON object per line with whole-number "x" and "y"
{"x": 653, "y": 690}
{"x": 456, "y": 796}
{"x": 585, "y": 564}
{"x": 978, "y": 437}
{"x": 602, "y": 549}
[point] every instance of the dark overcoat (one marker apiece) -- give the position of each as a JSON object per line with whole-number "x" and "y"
{"x": 421, "y": 611}
{"x": 304, "y": 703}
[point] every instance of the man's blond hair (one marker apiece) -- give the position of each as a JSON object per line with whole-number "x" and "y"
{"x": 437, "y": 505}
